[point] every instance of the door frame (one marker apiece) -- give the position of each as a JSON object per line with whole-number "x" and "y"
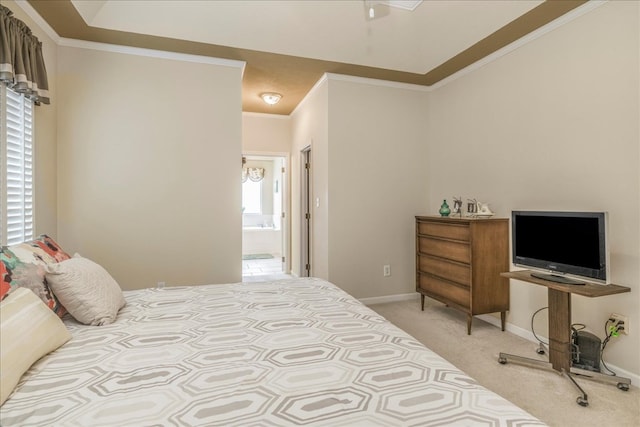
{"x": 286, "y": 203}
{"x": 306, "y": 191}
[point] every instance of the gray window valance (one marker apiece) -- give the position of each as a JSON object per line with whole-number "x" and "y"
{"x": 21, "y": 62}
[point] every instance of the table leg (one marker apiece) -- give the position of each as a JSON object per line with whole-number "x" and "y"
{"x": 559, "y": 330}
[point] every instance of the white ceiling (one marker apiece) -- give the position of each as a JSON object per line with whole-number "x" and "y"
{"x": 399, "y": 39}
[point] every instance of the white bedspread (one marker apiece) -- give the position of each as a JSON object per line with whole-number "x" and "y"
{"x": 297, "y": 352}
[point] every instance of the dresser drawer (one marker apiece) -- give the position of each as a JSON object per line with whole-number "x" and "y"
{"x": 447, "y": 231}
{"x": 439, "y": 267}
{"x": 459, "y": 261}
{"x": 455, "y": 251}
{"x": 446, "y": 291}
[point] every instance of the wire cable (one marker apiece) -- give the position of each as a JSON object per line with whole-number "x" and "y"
{"x": 575, "y": 327}
{"x": 575, "y": 349}
{"x": 608, "y": 335}
{"x": 533, "y": 316}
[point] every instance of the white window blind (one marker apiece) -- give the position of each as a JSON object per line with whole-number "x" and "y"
{"x": 252, "y": 197}
{"x": 16, "y": 168}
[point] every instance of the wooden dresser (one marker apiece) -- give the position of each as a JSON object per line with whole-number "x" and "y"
{"x": 459, "y": 261}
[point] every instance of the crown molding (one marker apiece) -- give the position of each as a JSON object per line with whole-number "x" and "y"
{"x": 557, "y": 23}
{"x": 162, "y": 54}
{"x": 128, "y": 50}
{"x": 562, "y": 20}
{"x": 315, "y": 87}
{"x": 265, "y": 115}
{"x": 361, "y": 80}
{"x": 44, "y": 26}
{"x": 377, "y": 82}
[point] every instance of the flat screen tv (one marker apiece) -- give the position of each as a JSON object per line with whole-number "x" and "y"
{"x": 570, "y": 247}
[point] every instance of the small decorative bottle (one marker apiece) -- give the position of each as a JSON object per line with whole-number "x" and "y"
{"x": 444, "y": 209}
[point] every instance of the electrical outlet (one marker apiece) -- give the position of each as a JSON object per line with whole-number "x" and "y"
{"x": 160, "y": 285}
{"x": 617, "y": 318}
{"x": 386, "y": 270}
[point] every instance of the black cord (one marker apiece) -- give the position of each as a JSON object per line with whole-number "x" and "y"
{"x": 608, "y": 335}
{"x": 575, "y": 350}
{"x": 575, "y": 328}
{"x": 532, "y": 328}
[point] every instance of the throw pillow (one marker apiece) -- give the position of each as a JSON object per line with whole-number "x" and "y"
{"x": 16, "y": 273}
{"x": 86, "y": 290}
{"x": 28, "y": 331}
{"x": 22, "y": 265}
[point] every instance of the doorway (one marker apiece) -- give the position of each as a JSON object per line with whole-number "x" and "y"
{"x": 264, "y": 224}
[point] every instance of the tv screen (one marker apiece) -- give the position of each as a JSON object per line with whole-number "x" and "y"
{"x": 562, "y": 243}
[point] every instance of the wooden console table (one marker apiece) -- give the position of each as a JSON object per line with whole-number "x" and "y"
{"x": 559, "y": 299}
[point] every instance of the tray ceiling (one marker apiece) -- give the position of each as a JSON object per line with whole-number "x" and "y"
{"x": 288, "y": 45}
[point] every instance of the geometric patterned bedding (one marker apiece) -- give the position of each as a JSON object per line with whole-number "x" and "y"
{"x": 282, "y": 353}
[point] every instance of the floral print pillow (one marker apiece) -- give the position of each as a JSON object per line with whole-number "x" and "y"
{"x": 22, "y": 265}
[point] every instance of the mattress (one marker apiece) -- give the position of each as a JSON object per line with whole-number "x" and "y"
{"x": 281, "y": 353}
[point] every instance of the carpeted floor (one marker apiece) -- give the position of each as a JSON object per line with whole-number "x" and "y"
{"x": 545, "y": 394}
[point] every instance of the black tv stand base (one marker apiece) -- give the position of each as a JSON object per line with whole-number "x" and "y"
{"x": 556, "y": 278}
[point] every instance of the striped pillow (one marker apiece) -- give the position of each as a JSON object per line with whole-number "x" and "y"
{"x": 28, "y": 331}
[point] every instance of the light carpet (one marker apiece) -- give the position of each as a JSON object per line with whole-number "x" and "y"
{"x": 545, "y": 394}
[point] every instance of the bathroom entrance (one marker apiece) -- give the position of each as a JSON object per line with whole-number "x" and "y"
{"x": 264, "y": 225}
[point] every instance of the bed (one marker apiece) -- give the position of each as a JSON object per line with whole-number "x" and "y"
{"x": 280, "y": 353}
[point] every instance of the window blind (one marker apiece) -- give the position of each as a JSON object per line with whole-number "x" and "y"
{"x": 16, "y": 118}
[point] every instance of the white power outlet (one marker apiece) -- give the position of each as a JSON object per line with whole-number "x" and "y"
{"x": 386, "y": 270}
{"x": 620, "y": 318}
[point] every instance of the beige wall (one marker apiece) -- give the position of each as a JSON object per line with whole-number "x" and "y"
{"x": 554, "y": 125}
{"x": 309, "y": 127}
{"x": 266, "y": 133}
{"x": 377, "y": 184}
{"x": 44, "y": 135}
{"x": 149, "y": 156}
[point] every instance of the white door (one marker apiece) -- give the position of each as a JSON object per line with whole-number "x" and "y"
{"x": 264, "y": 218}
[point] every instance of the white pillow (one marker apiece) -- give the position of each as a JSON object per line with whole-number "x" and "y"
{"x": 28, "y": 331}
{"x": 86, "y": 290}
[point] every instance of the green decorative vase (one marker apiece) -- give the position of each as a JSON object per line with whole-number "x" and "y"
{"x": 444, "y": 209}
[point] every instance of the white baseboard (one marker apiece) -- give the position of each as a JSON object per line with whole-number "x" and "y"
{"x": 389, "y": 298}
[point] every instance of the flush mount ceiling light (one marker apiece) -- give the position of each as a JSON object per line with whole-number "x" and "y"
{"x": 271, "y": 98}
